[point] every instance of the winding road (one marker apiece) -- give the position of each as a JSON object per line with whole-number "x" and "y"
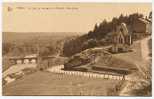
{"x": 139, "y": 84}
{"x": 145, "y": 48}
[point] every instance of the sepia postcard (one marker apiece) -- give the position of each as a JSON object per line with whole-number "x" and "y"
{"x": 76, "y": 49}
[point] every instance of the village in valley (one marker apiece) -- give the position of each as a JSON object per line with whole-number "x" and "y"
{"x": 113, "y": 59}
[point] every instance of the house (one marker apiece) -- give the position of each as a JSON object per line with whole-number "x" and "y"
{"x": 141, "y": 27}
{"x": 121, "y": 39}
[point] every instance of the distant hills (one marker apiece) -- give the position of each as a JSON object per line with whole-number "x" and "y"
{"x": 20, "y": 36}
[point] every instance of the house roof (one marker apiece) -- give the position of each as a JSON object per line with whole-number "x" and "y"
{"x": 123, "y": 32}
{"x": 143, "y": 20}
{"x": 124, "y": 28}
{"x": 149, "y": 20}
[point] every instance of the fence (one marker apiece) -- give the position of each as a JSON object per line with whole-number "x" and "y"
{"x": 58, "y": 69}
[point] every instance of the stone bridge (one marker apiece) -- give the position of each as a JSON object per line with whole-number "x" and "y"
{"x": 31, "y": 59}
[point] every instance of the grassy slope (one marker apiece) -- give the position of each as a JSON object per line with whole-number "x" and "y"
{"x": 44, "y": 83}
{"x": 134, "y": 56}
{"x": 5, "y": 64}
{"x": 143, "y": 89}
{"x": 103, "y": 60}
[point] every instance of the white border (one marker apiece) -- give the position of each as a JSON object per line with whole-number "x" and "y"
{"x": 1, "y": 49}
{"x": 77, "y": 1}
{"x": 70, "y": 97}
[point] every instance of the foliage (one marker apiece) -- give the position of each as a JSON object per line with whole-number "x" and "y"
{"x": 29, "y": 45}
{"x": 4, "y": 81}
{"x": 29, "y": 70}
{"x": 6, "y": 48}
{"x": 116, "y": 90}
{"x": 105, "y": 27}
{"x": 73, "y": 46}
{"x": 150, "y": 15}
{"x": 145, "y": 90}
{"x": 101, "y": 31}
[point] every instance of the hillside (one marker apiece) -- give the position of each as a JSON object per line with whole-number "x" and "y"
{"x": 100, "y": 35}
{"x": 99, "y": 60}
{"x": 45, "y": 83}
{"x": 21, "y": 36}
{"x": 27, "y": 43}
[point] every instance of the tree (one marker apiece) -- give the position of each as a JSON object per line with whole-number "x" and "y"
{"x": 103, "y": 25}
{"x": 150, "y": 15}
{"x": 89, "y": 44}
{"x": 95, "y": 28}
{"x": 114, "y": 23}
{"x": 121, "y": 18}
{"x": 101, "y": 31}
{"x": 6, "y": 48}
{"x": 44, "y": 51}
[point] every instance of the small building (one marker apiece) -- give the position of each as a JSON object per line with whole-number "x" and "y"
{"x": 141, "y": 27}
{"x": 121, "y": 39}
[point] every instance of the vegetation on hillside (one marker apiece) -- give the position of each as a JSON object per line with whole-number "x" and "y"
{"x": 22, "y": 44}
{"x": 99, "y": 36}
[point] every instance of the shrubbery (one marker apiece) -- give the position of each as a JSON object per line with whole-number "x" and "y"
{"x": 99, "y": 35}
{"x": 29, "y": 70}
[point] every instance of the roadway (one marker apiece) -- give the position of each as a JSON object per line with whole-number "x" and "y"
{"x": 142, "y": 68}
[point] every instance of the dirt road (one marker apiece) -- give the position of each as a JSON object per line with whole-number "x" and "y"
{"x": 142, "y": 68}
{"x": 145, "y": 48}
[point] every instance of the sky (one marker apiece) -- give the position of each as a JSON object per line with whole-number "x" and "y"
{"x": 64, "y": 17}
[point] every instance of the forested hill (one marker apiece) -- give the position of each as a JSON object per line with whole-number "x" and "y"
{"x": 17, "y": 44}
{"x": 100, "y": 35}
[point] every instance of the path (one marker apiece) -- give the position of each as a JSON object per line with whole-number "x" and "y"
{"x": 145, "y": 48}
{"x": 145, "y": 51}
{"x": 145, "y": 55}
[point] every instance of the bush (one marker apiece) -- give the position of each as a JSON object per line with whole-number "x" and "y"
{"x": 76, "y": 61}
{"x": 115, "y": 91}
{"x": 4, "y": 81}
{"x": 29, "y": 70}
{"x": 18, "y": 76}
{"x": 13, "y": 75}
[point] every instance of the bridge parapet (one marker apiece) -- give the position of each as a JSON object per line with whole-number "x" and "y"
{"x": 31, "y": 60}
